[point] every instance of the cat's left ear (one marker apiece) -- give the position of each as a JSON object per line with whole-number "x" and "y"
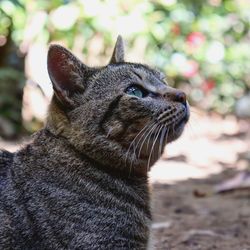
{"x": 118, "y": 53}
{"x": 66, "y": 72}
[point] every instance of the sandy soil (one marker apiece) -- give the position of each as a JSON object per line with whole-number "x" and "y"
{"x": 184, "y": 221}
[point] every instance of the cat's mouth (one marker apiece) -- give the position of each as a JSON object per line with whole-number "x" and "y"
{"x": 177, "y": 128}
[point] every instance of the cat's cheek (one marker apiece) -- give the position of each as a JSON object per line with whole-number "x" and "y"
{"x": 134, "y": 108}
{"x": 113, "y": 129}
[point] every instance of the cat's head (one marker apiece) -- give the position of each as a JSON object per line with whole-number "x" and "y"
{"x": 120, "y": 115}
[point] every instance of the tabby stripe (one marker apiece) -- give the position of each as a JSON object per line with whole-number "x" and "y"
{"x": 101, "y": 191}
{"x": 108, "y": 112}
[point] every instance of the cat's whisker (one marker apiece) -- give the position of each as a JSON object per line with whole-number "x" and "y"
{"x": 156, "y": 134}
{"x": 109, "y": 132}
{"x": 142, "y": 135}
{"x": 145, "y": 128}
{"x": 163, "y": 134}
{"x": 159, "y": 144}
{"x": 147, "y": 136}
{"x": 166, "y": 136}
{"x": 139, "y": 133}
{"x": 148, "y": 131}
{"x": 131, "y": 144}
{"x": 174, "y": 125}
{"x": 151, "y": 135}
{"x": 152, "y": 148}
{"x": 151, "y": 128}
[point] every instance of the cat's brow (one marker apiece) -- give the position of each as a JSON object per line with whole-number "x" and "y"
{"x": 162, "y": 75}
{"x": 157, "y": 86}
{"x": 138, "y": 75}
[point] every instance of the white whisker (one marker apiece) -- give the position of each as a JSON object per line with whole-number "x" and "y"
{"x": 142, "y": 135}
{"x": 131, "y": 144}
{"x": 163, "y": 134}
{"x": 147, "y": 136}
{"x": 151, "y": 128}
{"x": 152, "y": 148}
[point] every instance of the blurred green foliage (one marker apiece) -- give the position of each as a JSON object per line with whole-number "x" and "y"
{"x": 10, "y": 102}
{"x": 202, "y": 46}
{"x": 11, "y": 79}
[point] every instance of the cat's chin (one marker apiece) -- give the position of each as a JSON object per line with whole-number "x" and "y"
{"x": 142, "y": 166}
{"x": 177, "y": 129}
{"x": 176, "y": 132}
{"x": 148, "y": 155}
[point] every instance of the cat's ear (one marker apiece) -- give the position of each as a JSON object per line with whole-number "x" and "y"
{"x": 118, "y": 53}
{"x": 66, "y": 73}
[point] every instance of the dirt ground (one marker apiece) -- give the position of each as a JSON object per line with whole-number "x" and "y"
{"x": 187, "y": 212}
{"x": 183, "y": 221}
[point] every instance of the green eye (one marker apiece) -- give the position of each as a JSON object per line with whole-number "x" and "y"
{"x": 135, "y": 91}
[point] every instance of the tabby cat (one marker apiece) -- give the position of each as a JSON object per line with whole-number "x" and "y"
{"x": 81, "y": 183}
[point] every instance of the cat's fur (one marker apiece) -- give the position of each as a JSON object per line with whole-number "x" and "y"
{"x": 82, "y": 181}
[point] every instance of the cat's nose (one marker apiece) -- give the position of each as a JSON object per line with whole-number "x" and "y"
{"x": 176, "y": 96}
{"x": 180, "y": 97}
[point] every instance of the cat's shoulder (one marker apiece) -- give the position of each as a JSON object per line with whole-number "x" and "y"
{"x": 6, "y": 158}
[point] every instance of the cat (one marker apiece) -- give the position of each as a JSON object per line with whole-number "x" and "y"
{"x": 81, "y": 183}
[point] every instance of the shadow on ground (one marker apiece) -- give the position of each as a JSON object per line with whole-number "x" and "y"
{"x": 188, "y": 215}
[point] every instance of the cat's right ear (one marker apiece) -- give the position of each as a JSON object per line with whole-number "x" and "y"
{"x": 118, "y": 53}
{"x": 66, "y": 73}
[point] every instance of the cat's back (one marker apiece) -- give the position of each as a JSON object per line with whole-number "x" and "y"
{"x": 6, "y": 159}
{"x": 6, "y": 187}
{"x": 14, "y": 226}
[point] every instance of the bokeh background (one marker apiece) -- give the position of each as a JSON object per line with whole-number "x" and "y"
{"x": 202, "y": 46}
{"x": 204, "y": 49}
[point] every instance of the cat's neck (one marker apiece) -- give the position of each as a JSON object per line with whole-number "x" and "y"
{"x": 51, "y": 158}
{"x": 69, "y": 161}
{"x": 57, "y": 121}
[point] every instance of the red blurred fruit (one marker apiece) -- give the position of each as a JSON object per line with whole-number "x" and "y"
{"x": 208, "y": 85}
{"x": 190, "y": 69}
{"x": 176, "y": 29}
{"x": 195, "y": 39}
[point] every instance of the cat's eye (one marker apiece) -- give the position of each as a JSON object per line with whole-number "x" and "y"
{"x": 136, "y": 91}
